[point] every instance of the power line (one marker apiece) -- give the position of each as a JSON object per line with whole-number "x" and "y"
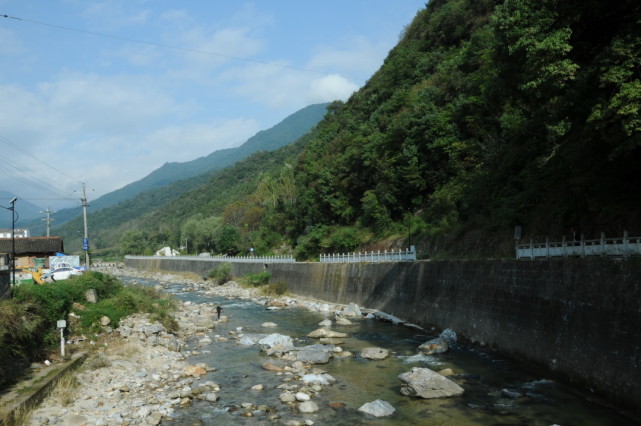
{"x": 169, "y": 46}
{"x": 18, "y": 148}
{"x": 22, "y": 174}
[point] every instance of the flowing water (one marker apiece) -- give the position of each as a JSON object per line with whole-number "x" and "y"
{"x": 491, "y": 382}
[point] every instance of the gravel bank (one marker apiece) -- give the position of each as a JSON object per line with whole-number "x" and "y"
{"x": 139, "y": 374}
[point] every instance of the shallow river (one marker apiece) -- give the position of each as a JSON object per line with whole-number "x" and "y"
{"x": 491, "y": 383}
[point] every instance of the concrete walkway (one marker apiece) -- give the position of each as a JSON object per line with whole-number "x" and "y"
{"x": 30, "y": 392}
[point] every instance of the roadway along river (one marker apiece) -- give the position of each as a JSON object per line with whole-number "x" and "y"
{"x": 497, "y": 391}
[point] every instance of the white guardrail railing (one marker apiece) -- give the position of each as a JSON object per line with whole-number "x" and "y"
{"x": 610, "y": 247}
{"x": 209, "y": 258}
{"x": 407, "y": 255}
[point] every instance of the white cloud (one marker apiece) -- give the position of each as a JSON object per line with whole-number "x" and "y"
{"x": 193, "y": 140}
{"x": 115, "y": 14}
{"x": 9, "y": 43}
{"x": 330, "y": 88}
{"x": 205, "y": 51}
{"x": 357, "y": 58}
{"x": 115, "y": 127}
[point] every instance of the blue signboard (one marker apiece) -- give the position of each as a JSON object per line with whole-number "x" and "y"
{"x": 85, "y": 244}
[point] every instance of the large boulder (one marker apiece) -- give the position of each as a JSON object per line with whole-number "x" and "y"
{"x": 284, "y": 343}
{"x": 425, "y": 383}
{"x": 352, "y": 310}
{"x": 434, "y": 346}
{"x": 250, "y": 339}
{"x": 315, "y": 354}
{"x": 378, "y": 408}
{"x": 167, "y": 251}
{"x": 449, "y": 336}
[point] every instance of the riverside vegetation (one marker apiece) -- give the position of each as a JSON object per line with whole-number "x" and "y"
{"x": 28, "y": 330}
{"x": 28, "y": 320}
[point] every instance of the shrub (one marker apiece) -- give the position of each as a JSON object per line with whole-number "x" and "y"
{"x": 258, "y": 279}
{"x": 275, "y": 289}
{"x": 22, "y": 328}
{"x": 343, "y": 240}
{"x": 221, "y": 274}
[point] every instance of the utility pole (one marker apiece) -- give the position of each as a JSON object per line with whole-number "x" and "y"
{"x": 48, "y": 219}
{"x": 12, "y": 271}
{"x": 85, "y": 240}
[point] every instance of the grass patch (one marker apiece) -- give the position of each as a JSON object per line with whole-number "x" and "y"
{"x": 66, "y": 389}
{"x": 96, "y": 362}
{"x": 255, "y": 280}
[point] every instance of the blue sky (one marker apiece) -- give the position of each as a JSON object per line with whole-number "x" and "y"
{"x": 104, "y": 92}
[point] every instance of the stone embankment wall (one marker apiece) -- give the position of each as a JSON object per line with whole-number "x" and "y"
{"x": 579, "y": 318}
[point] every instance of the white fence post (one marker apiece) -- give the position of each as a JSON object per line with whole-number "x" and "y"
{"x": 547, "y": 247}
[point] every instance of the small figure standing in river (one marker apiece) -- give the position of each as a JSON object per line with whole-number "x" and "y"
{"x": 218, "y": 310}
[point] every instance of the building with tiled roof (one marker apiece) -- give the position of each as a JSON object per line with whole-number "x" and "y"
{"x": 33, "y": 247}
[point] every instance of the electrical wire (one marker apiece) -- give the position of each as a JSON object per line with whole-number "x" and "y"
{"x": 169, "y": 46}
{"x": 22, "y": 174}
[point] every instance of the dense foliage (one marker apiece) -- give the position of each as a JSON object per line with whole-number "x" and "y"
{"x": 486, "y": 115}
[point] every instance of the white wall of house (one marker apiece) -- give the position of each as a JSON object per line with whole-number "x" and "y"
{"x": 18, "y": 233}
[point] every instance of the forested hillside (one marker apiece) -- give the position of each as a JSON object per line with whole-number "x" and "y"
{"x": 486, "y": 115}
{"x": 153, "y": 190}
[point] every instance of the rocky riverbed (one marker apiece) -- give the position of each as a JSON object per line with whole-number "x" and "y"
{"x": 140, "y": 373}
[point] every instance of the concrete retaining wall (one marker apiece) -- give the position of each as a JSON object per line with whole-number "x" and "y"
{"x": 579, "y": 318}
{"x": 200, "y": 267}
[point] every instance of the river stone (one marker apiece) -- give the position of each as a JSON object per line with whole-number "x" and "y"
{"x": 278, "y": 350}
{"x": 378, "y": 408}
{"x": 508, "y": 393}
{"x": 425, "y": 383}
{"x": 315, "y": 354}
{"x": 105, "y": 320}
{"x": 343, "y": 321}
{"x": 352, "y": 310}
{"x": 321, "y": 379}
{"x": 374, "y": 353}
{"x": 269, "y": 324}
{"x": 205, "y": 323}
{"x": 331, "y": 340}
{"x": 268, "y": 342}
{"x": 250, "y": 339}
{"x": 271, "y": 367}
{"x": 195, "y": 371}
{"x": 325, "y": 323}
{"x": 151, "y": 329}
{"x": 91, "y": 295}
{"x": 308, "y": 407}
{"x": 210, "y": 397}
{"x": 75, "y": 419}
{"x": 448, "y": 335}
{"x": 323, "y": 332}
{"x": 434, "y": 346}
{"x": 446, "y": 372}
{"x": 286, "y": 397}
{"x": 302, "y": 397}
